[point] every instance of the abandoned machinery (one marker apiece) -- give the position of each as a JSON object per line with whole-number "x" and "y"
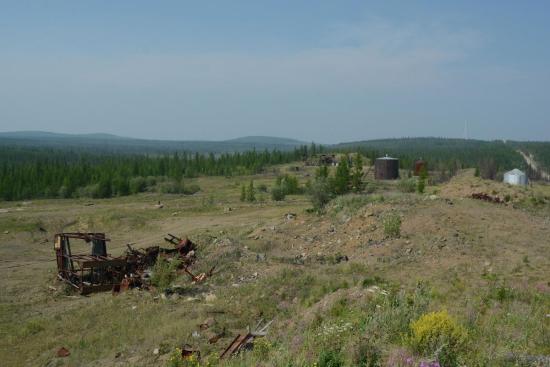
{"x": 97, "y": 271}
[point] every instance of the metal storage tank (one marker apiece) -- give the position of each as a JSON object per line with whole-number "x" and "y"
{"x": 515, "y": 177}
{"x": 386, "y": 168}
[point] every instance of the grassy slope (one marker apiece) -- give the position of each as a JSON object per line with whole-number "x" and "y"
{"x": 488, "y": 265}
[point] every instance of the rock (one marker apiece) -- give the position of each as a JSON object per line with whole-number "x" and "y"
{"x": 433, "y": 197}
{"x": 290, "y": 216}
{"x": 156, "y": 351}
{"x": 6, "y": 232}
{"x": 134, "y": 307}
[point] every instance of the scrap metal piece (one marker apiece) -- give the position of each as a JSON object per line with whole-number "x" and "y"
{"x": 88, "y": 273}
{"x": 486, "y": 197}
{"x": 63, "y": 352}
{"x": 245, "y": 341}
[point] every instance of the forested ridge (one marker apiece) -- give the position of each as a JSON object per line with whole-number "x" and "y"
{"x": 443, "y": 153}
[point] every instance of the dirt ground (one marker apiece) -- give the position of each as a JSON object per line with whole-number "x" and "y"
{"x": 262, "y": 253}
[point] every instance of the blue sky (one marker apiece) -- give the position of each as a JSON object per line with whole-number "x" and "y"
{"x": 327, "y": 71}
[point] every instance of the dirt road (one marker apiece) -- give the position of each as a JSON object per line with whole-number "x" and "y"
{"x": 533, "y": 164}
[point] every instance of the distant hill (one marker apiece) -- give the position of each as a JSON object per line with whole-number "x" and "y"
{"x": 108, "y": 143}
{"x": 50, "y": 135}
{"x": 265, "y": 140}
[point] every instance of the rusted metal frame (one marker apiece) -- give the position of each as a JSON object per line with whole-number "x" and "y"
{"x": 84, "y": 236}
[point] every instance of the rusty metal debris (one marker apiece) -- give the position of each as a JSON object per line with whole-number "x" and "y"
{"x": 95, "y": 272}
{"x": 245, "y": 341}
{"x": 200, "y": 277}
{"x": 187, "y": 352}
{"x": 98, "y": 271}
{"x": 63, "y": 352}
{"x": 486, "y": 197}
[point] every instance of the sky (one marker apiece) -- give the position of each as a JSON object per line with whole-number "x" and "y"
{"x": 323, "y": 71}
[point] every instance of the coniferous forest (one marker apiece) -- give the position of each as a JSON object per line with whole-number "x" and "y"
{"x": 27, "y": 173}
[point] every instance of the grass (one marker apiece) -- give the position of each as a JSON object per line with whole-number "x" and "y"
{"x": 351, "y": 313}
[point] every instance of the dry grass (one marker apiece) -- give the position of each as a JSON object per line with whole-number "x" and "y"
{"x": 487, "y": 264}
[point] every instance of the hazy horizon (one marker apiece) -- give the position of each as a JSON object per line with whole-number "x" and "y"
{"x": 313, "y": 71}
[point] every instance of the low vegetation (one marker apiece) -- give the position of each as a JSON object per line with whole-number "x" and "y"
{"x": 376, "y": 275}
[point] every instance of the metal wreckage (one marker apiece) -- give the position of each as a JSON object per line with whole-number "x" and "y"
{"x": 97, "y": 271}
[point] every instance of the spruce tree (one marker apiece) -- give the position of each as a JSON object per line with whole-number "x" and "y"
{"x": 243, "y": 192}
{"x": 250, "y": 193}
{"x": 342, "y": 178}
{"x": 357, "y": 174}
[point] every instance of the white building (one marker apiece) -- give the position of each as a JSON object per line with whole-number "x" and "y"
{"x": 515, "y": 177}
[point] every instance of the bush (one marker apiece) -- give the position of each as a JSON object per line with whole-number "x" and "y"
{"x": 407, "y": 185}
{"x": 277, "y": 193}
{"x": 438, "y": 334}
{"x": 330, "y": 358}
{"x": 392, "y": 225}
{"x": 164, "y": 273}
{"x": 289, "y": 184}
{"x": 137, "y": 184}
{"x": 350, "y": 203}
{"x": 190, "y": 189}
{"x": 319, "y": 193}
{"x": 169, "y": 187}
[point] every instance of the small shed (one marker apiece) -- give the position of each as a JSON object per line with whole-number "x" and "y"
{"x": 515, "y": 177}
{"x": 386, "y": 168}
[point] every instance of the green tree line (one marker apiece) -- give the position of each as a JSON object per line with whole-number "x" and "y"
{"x": 27, "y": 173}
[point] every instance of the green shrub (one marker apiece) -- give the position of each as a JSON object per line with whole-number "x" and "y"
{"x": 392, "y": 225}
{"x": 330, "y": 358}
{"x": 277, "y": 193}
{"x": 190, "y": 189}
{"x": 137, "y": 184}
{"x": 350, "y": 203}
{"x": 262, "y": 187}
{"x": 251, "y": 192}
{"x": 437, "y": 333}
{"x": 289, "y": 184}
{"x": 170, "y": 187}
{"x": 421, "y": 185}
{"x": 164, "y": 273}
{"x": 319, "y": 193}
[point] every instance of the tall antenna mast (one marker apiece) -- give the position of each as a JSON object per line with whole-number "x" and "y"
{"x": 466, "y": 129}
